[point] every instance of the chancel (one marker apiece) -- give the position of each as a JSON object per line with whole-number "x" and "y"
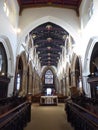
{"x": 49, "y": 64}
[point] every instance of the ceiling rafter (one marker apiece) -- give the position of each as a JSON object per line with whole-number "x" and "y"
{"x": 49, "y": 47}
{"x": 70, "y": 4}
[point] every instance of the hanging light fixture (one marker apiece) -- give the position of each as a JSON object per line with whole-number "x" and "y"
{"x": 49, "y": 27}
{"x": 48, "y": 47}
{"x": 49, "y": 54}
{"x": 49, "y": 39}
{"x": 33, "y": 36}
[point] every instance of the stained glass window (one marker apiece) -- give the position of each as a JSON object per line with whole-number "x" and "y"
{"x": 48, "y": 77}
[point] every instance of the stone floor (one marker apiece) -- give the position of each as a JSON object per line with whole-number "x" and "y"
{"x": 48, "y": 118}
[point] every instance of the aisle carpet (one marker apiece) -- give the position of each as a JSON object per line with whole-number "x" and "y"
{"x": 48, "y": 118}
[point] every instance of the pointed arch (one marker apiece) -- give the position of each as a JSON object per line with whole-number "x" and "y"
{"x": 11, "y": 62}
{"x": 55, "y": 79}
{"x": 52, "y": 19}
{"x": 10, "y": 56}
{"x": 21, "y": 69}
{"x": 86, "y": 66}
{"x": 76, "y": 70}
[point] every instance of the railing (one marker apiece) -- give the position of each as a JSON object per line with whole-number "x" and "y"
{"x": 80, "y": 118}
{"x": 17, "y": 118}
{"x": 9, "y": 103}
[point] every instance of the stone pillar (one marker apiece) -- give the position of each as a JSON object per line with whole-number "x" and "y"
{"x": 73, "y": 83}
{"x": 33, "y": 84}
{"x": 67, "y": 86}
{"x": 64, "y": 91}
{"x": 86, "y": 86}
{"x": 80, "y": 85}
{"x": 30, "y": 84}
{"x": 56, "y": 84}
{"x": 23, "y": 91}
{"x": 59, "y": 87}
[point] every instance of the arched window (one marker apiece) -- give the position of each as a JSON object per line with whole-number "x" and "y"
{"x": 48, "y": 77}
{"x": 3, "y": 61}
{"x": 18, "y": 81}
{"x": 19, "y": 75}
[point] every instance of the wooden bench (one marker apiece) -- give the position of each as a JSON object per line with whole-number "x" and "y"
{"x": 80, "y": 118}
{"x": 17, "y": 118}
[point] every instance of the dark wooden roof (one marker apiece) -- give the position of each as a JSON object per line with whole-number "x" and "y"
{"x": 49, "y": 39}
{"x": 71, "y": 4}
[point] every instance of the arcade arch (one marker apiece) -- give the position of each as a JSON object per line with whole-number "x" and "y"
{"x": 87, "y": 68}
{"x": 10, "y": 62}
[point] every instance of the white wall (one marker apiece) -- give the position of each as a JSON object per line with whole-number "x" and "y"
{"x": 8, "y": 36}
{"x": 7, "y": 28}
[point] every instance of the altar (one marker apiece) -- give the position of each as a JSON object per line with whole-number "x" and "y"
{"x": 48, "y": 100}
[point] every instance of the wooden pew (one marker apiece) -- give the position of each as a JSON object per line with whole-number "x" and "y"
{"x": 80, "y": 118}
{"x": 8, "y": 103}
{"x": 17, "y": 118}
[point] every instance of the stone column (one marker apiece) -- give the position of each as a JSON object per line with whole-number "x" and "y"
{"x": 73, "y": 83}
{"x": 23, "y": 91}
{"x": 59, "y": 87}
{"x": 64, "y": 91}
{"x": 33, "y": 84}
{"x": 30, "y": 84}
{"x": 29, "y": 96}
{"x": 86, "y": 86}
{"x": 80, "y": 85}
{"x": 67, "y": 86}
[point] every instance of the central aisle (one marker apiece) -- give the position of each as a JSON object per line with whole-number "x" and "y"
{"x": 48, "y": 118}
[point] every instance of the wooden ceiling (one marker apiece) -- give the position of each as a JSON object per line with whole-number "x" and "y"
{"x": 70, "y": 4}
{"x": 49, "y": 39}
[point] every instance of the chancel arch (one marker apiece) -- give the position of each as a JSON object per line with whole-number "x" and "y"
{"x": 51, "y": 19}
